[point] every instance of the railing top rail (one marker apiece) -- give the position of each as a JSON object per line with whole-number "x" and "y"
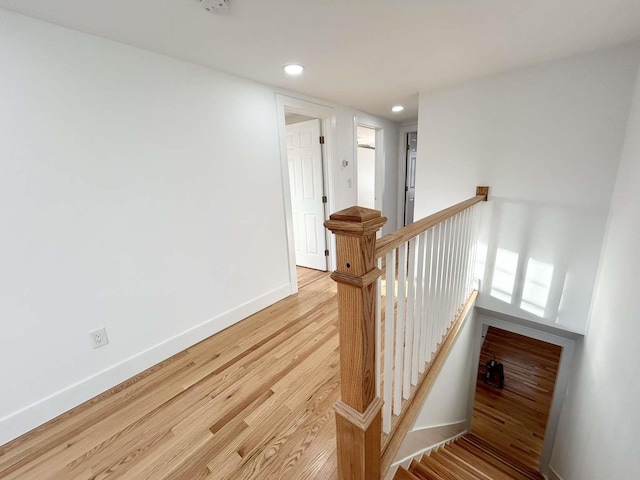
{"x": 404, "y": 234}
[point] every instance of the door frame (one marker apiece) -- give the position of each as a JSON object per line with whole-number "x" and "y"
{"x": 485, "y": 319}
{"x": 327, "y": 117}
{"x": 402, "y": 168}
{"x": 364, "y": 121}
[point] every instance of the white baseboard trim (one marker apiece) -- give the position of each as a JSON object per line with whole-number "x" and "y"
{"x": 48, "y": 408}
{"x": 552, "y": 475}
{"x": 418, "y": 442}
{"x": 438, "y": 426}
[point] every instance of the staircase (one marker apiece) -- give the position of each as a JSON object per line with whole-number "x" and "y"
{"x": 469, "y": 457}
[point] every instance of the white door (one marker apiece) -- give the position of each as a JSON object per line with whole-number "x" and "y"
{"x": 410, "y": 177}
{"x": 305, "y": 174}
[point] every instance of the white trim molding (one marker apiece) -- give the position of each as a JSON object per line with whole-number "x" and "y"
{"x": 327, "y": 116}
{"x": 418, "y": 442}
{"x": 553, "y": 475}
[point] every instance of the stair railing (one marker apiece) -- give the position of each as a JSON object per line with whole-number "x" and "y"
{"x": 402, "y": 299}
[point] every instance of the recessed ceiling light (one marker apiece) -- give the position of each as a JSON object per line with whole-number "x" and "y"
{"x": 397, "y": 108}
{"x": 293, "y": 69}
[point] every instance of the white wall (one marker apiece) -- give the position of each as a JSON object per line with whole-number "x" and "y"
{"x": 597, "y": 437}
{"x": 448, "y": 401}
{"x": 547, "y": 140}
{"x": 129, "y": 199}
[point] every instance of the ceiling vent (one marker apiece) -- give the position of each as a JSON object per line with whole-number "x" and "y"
{"x": 215, "y": 5}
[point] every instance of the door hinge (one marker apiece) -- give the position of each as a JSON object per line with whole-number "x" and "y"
{"x": 326, "y": 253}
{"x": 322, "y": 140}
{"x": 324, "y": 199}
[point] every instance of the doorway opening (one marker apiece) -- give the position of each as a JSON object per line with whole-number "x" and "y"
{"x": 366, "y": 166}
{"x": 411, "y": 142}
{"x": 306, "y": 182}
{"x": 369, "y": 163}
{"x": 511, "y": 418}
{"x": 304, "y": 141}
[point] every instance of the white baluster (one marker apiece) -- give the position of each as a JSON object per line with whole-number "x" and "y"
{"x": 428, "y": 300}
{"x": 439, "y": 290}
{"x": 400, "y": 324}
{"x": 452, "y": 256}
{"x": 453, "y": 308}
{"x": 456, "y": 266}
{"x": 476, "y": 214}
{"x": 379, "y": 347}
{"x": 410, "y": 323}
{"x": 465, "y": 258}
{"x": 458, "y": 275}
{"x": 389, "y": 321}
{"x": 462, "y": 265}
{"x": 444, "y": 318}
{"x": 469, "y": 267}
{"x": 462, "y": 239}
{"x": 418, "y": 333}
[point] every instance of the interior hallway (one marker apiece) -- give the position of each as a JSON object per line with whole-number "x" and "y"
{"x": 253, "y": 401}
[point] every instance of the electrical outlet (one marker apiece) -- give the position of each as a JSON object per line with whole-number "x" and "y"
{"x": 99, "y": 338}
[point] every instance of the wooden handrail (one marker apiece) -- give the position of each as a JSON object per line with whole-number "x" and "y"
{"x": 397, "y": 238}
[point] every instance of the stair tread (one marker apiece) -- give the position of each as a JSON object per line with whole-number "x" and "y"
{"x": 423, "y": 472}
{"x": 516, "y": 465}
{"x": 491, "y": 471}
{"x": 493, "y": 461}
{"x": 454, "y": 466}
{"x": 496, "y": 460}
{"x": 467, "y": 458}
{"x": 403, "y": 474}
{"x": 443, "y": 471}
{"x": 469, "y": 469}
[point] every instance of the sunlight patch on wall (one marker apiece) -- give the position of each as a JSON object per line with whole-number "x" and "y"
{"x": 504, "y": 275}
{"x": 537, "y": 285}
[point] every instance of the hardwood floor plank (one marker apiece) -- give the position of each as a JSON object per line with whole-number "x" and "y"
{"x": 307, "y": 276}
{"x": 63, "y": 428}
{"x": 300, "y": 446}
{"x": 254, "y": 401}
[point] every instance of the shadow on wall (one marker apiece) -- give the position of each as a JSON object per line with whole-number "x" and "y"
{"x": 538, "y": 261}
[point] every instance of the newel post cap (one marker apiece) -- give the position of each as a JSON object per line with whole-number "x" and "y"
{"x": 356, "y": 221}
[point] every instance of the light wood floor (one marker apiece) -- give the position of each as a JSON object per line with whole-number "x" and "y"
{"x": 514, "y": 419}
{"x": 254, "y": 401}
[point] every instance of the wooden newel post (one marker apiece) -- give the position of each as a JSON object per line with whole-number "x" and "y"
{"x": 358, "y": 417}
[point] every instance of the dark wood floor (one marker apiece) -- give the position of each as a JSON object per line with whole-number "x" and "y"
{"x": 254, "y": 401}
{"x": 514, "y": 419}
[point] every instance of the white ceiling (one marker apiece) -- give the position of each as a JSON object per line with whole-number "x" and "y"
{"x": 369, "y": 54}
